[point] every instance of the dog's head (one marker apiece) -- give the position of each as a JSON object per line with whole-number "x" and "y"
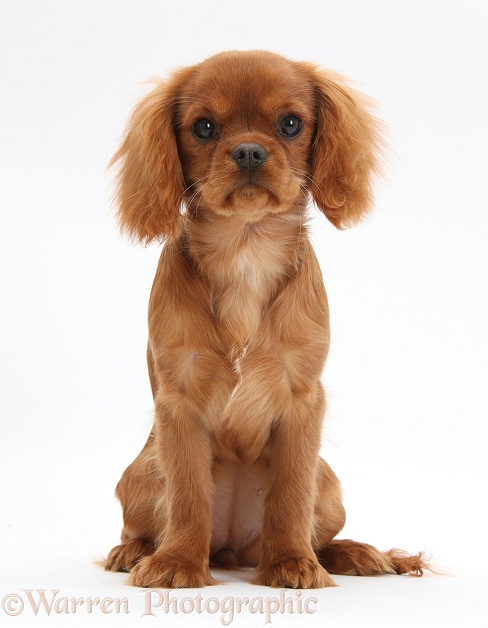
{"x": 246, "y": 134}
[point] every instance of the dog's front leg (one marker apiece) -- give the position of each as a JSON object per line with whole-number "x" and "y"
{"x": 184, "y": 452}
{"x": 287, "y": 558}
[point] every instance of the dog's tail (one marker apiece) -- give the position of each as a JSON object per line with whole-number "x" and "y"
{"x": 349, "y": 558}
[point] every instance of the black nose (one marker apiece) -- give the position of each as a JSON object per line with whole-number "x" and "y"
{"x": 249, "y": 155}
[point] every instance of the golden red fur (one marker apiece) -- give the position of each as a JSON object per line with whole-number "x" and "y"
{"x": 221, "y": 161}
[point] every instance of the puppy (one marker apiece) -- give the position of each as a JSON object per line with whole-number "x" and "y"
{"x": 221, "y": 161}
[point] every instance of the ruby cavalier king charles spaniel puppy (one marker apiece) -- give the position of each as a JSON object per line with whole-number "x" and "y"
{"x": 221, "y": 161}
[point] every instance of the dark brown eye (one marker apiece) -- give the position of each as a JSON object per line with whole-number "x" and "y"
{"x": 290, "y": 126}
{"x": 204, "y": 129}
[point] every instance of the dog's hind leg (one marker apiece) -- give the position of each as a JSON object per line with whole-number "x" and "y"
{"x": 345, "y": 557}
{"x": 350, "y": 558}
{"x": 141, "y": 494}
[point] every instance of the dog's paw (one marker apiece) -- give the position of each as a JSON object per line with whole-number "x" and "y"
{"x": 293, "y": 572}
{"x": 368, "y": 561}
{"x": 124, "y": 557}
{"x": 169, "y": 572}
{"x": 350, "y": 558}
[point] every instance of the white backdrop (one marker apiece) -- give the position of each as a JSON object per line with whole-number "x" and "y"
{"x": 406, "y": 428}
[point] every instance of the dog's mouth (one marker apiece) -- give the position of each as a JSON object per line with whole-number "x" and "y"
{"x": 249, "y": 191}
{"x": 251, "y": 187}
{"x": 251, "y": 194}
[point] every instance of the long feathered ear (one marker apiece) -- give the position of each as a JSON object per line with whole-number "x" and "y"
{"x": 345, "y": 151}
{"x": 150, "y": 182}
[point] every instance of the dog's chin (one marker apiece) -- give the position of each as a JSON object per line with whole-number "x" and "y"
{"x": 250, "y": 203}
{"x": 252, "y": 196}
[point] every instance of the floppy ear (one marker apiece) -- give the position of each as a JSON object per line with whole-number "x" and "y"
{"x": 150, "y": 181}
{"x": 345, "y": 150}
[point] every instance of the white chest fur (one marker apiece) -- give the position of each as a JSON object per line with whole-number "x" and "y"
{"x": 245, "y": 265}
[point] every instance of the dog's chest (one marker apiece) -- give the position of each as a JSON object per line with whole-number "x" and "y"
{"x": 248, "y": 281}
{"x": 253, "y": 267}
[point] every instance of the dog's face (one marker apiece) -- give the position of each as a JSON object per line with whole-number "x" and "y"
{"x": 245, "y": 135}
{"x": 245, "y": 124}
